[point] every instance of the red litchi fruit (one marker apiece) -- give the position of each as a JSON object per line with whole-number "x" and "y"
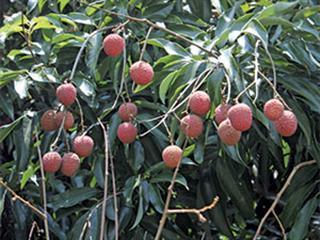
{"x": 127, "y": 111}
{"x": 141, "y": 73}
{"x": 287, "y": 124}
{"x": 228, "y": 134}
{"x": 199, "y": 103}
{"x": 171, "y": 156}
{"x": 221, "y": 112}
{"x": 83, "y": 146}
{"x": 66, "y": 94}
{"x": 68, "y": 122}
{"x": 48, "y": 121}
{"x": 51, "y": 162}
{"x": 113, "y": 45}
{"x": 240, "y": 116}
{"x": 70, "y": 164}
{"x": 273, "y": 109}
{"x": 191, "y": 125}
{"x": 127, "y": 132}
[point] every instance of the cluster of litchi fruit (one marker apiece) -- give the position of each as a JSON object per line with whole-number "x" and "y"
{"x": 191, "y": 125}
{"x": 82, "y": 145}
{"x": 233, "y": 120}
{"x": 141, "y": 72}
{"x": 127, "y": 131}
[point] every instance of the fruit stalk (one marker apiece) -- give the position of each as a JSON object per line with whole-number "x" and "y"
{"x": 43, "y": 190}
{"x": 169, "y": 196}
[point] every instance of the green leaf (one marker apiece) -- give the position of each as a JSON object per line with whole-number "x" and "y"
{"x": 71, "y": 197}
{"x": 300, "y": 229}
{"x": 5, "y": 130}
{"x": 7, "y": 76}
{"x": 63, "y": 4}
{"x": 170, "y": 47}
{"x": 257, "y": 29}
{"x": 158, "y": 11}
{"x": 165, "y": 85}
{"x": 277, "y": 9}
{"x": 167, "y": 177}
{"x": 138, "y": 156}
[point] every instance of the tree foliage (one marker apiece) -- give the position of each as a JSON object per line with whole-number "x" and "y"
{"x": 214, "y": 42}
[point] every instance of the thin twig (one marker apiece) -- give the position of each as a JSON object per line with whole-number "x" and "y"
{"x": 196, "y": 211}
{"x": 25, "y": 202}
{"x": 168, "y": 199}
{"x": 115, "y": 203}
{"x": 176, "y": 104}
{"x": 81, "y": 115}
{"x": 34, "y": 225}
{"x": 145, "y": 43}
{"x": 154, "y": 25}
{"x": 283, "y": 231}
{"x": 277, "y": 94}
{"x": 283, "y": 189}
{"x": 76, "y": 62}
{"x": 256, "y": 69}
{"x": 106, "y": 175}
{"x": 43, "y": 190}
{"x": 27, "y": 38}
{"x": 273, "y": 69}
{"x": 54, "y": 144}
{"x": 228, "y": 87}
{"x": 236, "y": 99}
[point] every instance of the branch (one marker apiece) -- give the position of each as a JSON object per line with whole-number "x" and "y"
{"x": 150, "y": 23}
{"x": 168, "y": 199}
{"x": 283, "y": 189}
{"x": 196, "y": 211}
{"x": 43, "y": 190}
{"x": 145, "y": 43}
{"x": 106, "y": 174}
{"x": 115, "y": 203}
{"x": 25, "y": 202}
{"x": 283, "y": 231}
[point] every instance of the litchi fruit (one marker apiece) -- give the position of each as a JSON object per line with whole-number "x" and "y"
{"x": 199, "y": 103}
{"x": 51, "y": 162}
{"x": 48, "y": 121}
{"x": 273, "y": 109}
{"x": 127, "y": 111}
{"x": 240, "y": 116}
{"x": 287, "y": 124}
{"x": 191, "y": 125}
{"x": 127, "y": 132}
{"x": 221, "y": 112}
{"x": 68, "y": 122}
{"x": 141, "y": 73}
{"x": 113, "y": 45}
{"x": 66, "y": 94}
{"x": 70, "y": 164}
{"x": 171, "y": 156}
{"x": 228, "y": 134}
{"x": 83, "y": 146}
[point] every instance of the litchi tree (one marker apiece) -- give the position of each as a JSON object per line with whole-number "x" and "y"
{"x": 163, "y": 119}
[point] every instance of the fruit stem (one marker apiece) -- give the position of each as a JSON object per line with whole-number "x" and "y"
{"x": 145, "y": 43}
{"x": 81, "y": 115}
{"x": 169, "y": 196}
{"x": 54, "y": 144}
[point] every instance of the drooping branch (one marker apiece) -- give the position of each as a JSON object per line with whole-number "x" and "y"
{"x": 280, "y": 193}
{"x": 25, "y": 202}
{"x": 198, "y": 212}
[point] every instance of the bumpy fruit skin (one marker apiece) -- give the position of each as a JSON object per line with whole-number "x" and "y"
{"x": 51, "y": 162}
{"x": 83, "y": 146}
{"x": 287, "y": 124}
{"x": 191, "y": 125}
{"x": 221, "y": 112}
{"x": 68, "y": 122}
{"x": 240, "y": 116}
{"x": 113, "y": 45}
{"x": 127, "y": 111}
{"x": 228, "y": 134}
{"x": 171, "y": 156}
{"x": 127, "y": 132}
{"x": 200, "y": 103}
{"x": 141, "y": 73}
{"x": 273, "y": 109}
{"x": 66, "y": 94}
{"x": 48, "y": 121}
{"x": 70, "y": 164}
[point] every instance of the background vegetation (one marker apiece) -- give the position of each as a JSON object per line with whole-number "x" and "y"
{"x": 39, "y": 41}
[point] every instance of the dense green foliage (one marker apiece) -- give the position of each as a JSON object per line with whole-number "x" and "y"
{"x": 246, "y": 177}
